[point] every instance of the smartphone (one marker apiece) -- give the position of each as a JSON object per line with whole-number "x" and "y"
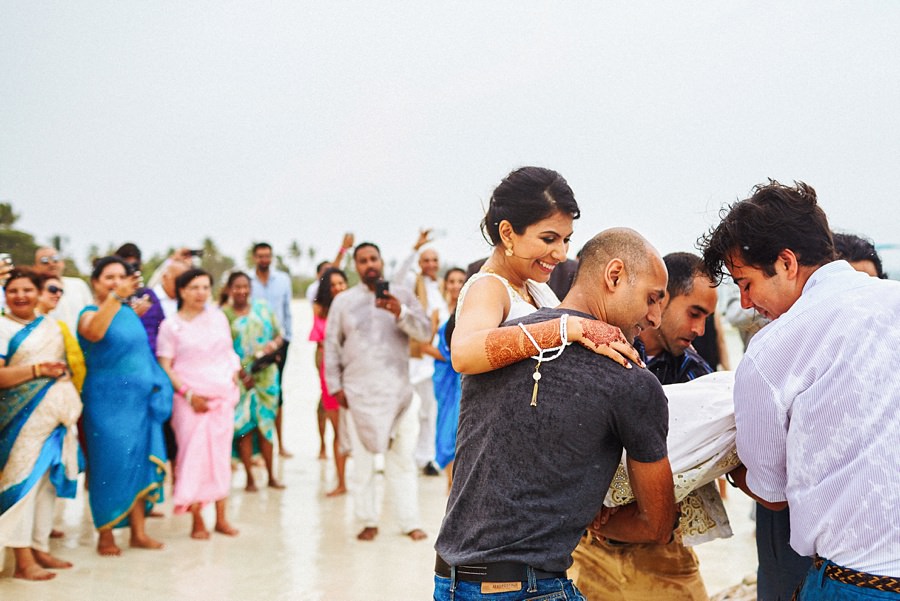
{"x": 381, "y": 289}
{"x": 196, "y": 252}
{"x": 5, "y": 259}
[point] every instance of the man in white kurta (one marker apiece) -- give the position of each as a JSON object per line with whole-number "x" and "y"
{"x": 366, "y": 369}
{"x": 427, "y": 288}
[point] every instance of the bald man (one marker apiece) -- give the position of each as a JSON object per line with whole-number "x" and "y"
{"x": 165, "y": 289}
{"x": 536, "y": 455}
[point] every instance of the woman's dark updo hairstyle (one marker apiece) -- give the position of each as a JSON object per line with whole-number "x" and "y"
{"x": 19, "y": 273}
{"x": 104, "y": 262}
{"x": 526, "y": 196}
{"x": 232, "y": 278}
{"x": 323, "y": 294}
{"x": 186, "y": 278}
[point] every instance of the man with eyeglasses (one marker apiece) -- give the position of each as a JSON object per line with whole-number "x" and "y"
{"x": 48, "y": 262}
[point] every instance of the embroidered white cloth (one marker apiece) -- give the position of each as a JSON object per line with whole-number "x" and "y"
{"x": 702, "y": 447}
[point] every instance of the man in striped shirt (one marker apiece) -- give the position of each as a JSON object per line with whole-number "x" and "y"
{"x": 818, "y": 390}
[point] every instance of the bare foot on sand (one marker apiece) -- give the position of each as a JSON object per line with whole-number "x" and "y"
{"x": 226, "y": 528}
{"x": 273, "y": 483}
{"x": 367, "y": 533}
{"x": 285, "y": 453}
{"x": 45, "y": 560}
{"x": 57, "y": 533}
{"x": 340, "y": 490}
{"x": 200, "y": 533}
{"x": 145, "y": 542}
{"x": 107, "y": 544}
{"x": 251, "y": 487}
{"x": 417, "y": 534}
{"x": 34, "y": 572}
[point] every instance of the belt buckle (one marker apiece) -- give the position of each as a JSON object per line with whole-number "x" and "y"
{"x": 488, "y": 588}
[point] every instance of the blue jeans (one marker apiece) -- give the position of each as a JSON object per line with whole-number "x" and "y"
{"x": 547, "y": 589}
{"x": 817, "y": 587}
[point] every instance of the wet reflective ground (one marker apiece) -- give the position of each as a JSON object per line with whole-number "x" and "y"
{"x": 295, "y": 543}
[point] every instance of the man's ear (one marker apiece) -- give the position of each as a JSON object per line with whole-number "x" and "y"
{"x": 614, "y": 274}
{"x": 788, "y": 262}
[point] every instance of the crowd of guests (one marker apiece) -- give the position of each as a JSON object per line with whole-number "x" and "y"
{"x": 531, "y": 439}
{"x": 123, "y": 383}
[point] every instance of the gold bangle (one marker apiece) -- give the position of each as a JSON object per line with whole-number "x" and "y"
{"x": 36, "y": 370}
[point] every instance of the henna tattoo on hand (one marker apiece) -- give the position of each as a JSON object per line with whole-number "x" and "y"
{"x": 507, "y": 345}
{"x": 601, "y": 333}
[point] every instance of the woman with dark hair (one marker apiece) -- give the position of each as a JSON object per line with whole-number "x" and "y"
{"x": 126, "y": 398}
{"x": 446, "y": 379}
{"x": 38, "y": 410}
{"x": 860, "y": 253}
{"x": 195, "y": 349}
{"x": 529, "y": 223}
{"x": 256, "y": 335}
{"x": 332, "y": 283}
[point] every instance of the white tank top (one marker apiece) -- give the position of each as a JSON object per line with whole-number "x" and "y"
{"x": 518, "y": 306}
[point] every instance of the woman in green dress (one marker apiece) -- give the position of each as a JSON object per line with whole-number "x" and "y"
{"x": 256, "y": 335}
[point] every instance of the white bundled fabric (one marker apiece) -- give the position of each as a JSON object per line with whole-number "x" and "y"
{"x": 701, "y": 446}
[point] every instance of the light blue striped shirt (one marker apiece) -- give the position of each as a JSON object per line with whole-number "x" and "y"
{"x": 817, "y": 405}
{"x": 277, "y": 292}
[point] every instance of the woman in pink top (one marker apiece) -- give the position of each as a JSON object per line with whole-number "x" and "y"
{"x": 195, "y": 349}
{"x": 332, "y": 283}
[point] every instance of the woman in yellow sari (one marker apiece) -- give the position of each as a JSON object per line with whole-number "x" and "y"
{"x": 39, "y": 406}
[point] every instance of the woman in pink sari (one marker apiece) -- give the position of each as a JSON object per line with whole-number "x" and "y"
{"x": 195, "y": 349}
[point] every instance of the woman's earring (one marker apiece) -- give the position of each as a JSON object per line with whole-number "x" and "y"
{"x": 509, "y": 251}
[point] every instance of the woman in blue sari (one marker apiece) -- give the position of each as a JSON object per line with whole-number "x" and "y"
{"x": 38, "y": 445}
{"x": 126, "y": 398}
{"x": 447, "y": 388}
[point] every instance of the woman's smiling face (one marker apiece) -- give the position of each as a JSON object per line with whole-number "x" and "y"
{"x": 541, "y": 247}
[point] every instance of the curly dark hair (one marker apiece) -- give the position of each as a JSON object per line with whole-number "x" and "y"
{"x": 775, "y": 217}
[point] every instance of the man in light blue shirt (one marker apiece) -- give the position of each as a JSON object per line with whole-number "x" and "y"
{"x": 275, "y": 288}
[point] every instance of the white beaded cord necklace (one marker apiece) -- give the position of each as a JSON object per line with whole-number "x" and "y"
{"x": 545, "y": 354}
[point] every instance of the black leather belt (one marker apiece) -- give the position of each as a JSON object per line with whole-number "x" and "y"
{"x": 501, "y": 571}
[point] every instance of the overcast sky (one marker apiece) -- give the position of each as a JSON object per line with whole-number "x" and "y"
{"x": 163, "y": 123}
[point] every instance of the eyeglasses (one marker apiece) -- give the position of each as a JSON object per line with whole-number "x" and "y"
{"x": 55, "y": 289}
{"x": 53, "y": 259}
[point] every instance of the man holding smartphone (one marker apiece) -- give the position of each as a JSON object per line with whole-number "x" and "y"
{"x": 366, "y": 369}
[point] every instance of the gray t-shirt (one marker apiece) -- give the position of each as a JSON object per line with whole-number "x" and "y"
{"x": 528, "y": 480}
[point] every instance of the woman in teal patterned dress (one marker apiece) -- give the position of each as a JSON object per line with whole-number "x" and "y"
{"x": 255, "y": 332}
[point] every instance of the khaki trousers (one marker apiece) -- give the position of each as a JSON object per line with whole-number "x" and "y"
{"x": 637, "y": 572}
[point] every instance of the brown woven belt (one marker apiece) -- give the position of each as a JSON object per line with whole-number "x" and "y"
{"x": 862, "y": 579}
